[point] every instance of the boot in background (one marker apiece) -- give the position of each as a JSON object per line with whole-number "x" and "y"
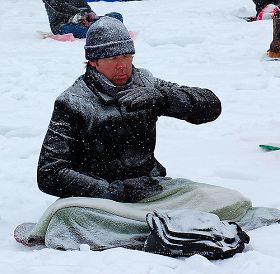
{"x": 274, "y": 49}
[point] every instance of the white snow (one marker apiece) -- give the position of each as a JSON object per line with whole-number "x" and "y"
{"x": 196, "y": 43}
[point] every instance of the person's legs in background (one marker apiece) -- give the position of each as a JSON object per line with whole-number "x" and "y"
{"x": 80, "y": 31}
{"x": 77, "y": 30}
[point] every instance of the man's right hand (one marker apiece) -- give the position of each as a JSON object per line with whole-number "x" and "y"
{"x": 141, "y": 98}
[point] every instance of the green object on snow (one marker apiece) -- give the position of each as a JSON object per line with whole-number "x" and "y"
{"x": 269, "y": 147}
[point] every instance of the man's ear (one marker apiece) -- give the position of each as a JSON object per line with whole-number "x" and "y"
{"x": 93, "y": 63}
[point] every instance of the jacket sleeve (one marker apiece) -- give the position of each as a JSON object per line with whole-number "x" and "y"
{"x": 192, "y": 104}
{"x": 55, "y": 174}
{"x": 65, "y": 7}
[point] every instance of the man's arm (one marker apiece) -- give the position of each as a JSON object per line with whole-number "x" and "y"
{"x": 65, "y": 8}
{"x": 192, "y": 104}
{"x": 55, "y": 174}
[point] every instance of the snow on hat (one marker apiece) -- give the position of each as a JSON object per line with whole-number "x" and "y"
{"x": 107, "y": 37}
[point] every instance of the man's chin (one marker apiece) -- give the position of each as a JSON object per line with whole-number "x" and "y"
{"x": 120, "y": 81}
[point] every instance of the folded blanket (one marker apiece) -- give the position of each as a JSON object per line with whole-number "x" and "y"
{"x": 103, "y": 224}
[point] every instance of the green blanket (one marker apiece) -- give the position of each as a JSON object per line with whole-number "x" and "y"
{"x": 103, "y": 224}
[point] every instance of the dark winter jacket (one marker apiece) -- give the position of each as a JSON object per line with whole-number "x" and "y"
{"x": 92, "y": 140}
{"x": 260, "y": 4}
{"x": 60, "y": 11}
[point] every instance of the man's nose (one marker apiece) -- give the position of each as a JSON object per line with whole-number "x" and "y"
{"x": 121, "y": 64}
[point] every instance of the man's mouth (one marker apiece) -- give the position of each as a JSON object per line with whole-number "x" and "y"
{"x": 122, "y": 77}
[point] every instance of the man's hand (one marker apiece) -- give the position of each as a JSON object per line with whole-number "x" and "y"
{"x": 88, "y": 18}
{"x": 133, "y": 190}
{"x": 136, "y": 189}
{"x": 84, "y": 18}
{"x": 77, "y": 18}
{"x": 116, "y": 191}
{"x": 141, "y": 98}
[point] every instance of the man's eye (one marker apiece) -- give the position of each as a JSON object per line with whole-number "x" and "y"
{"x": 109, "y": 59}
{"x": 127, "y": 56}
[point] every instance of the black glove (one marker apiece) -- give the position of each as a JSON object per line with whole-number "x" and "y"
{"x": 141, "y": 98}
{"x": 116, "y": 191}
{"x": 136, "y": 189}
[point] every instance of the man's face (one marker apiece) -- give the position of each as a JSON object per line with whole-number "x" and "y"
{"x": 117, "y": 69}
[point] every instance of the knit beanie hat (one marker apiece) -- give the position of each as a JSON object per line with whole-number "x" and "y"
{"x": 107, "y": 37}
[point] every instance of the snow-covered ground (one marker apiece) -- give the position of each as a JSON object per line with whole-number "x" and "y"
{"x": 195, "y": 43}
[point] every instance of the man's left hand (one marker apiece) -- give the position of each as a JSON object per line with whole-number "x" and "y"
{"x": 136, "y": 189}
{"x": 141, "y": 98}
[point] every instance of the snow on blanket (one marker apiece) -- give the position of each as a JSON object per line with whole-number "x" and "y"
{"x": 103, "y": 224}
